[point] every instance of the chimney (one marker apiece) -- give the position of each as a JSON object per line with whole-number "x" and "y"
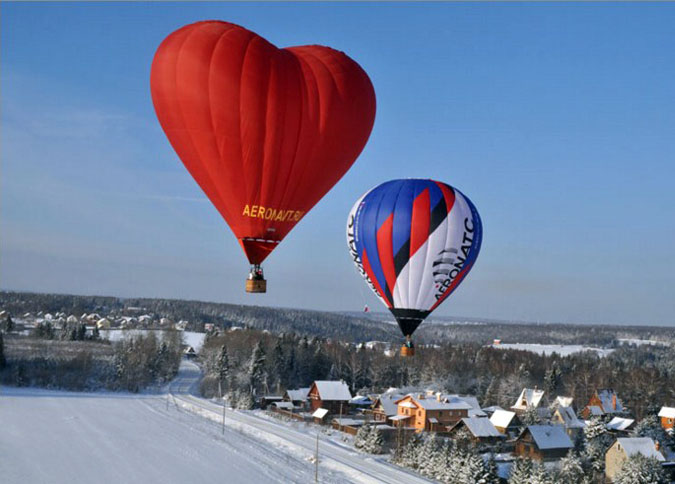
{"x": 657, "y": 446}
{"x": 614, "y": 401}
{"x": 438, "y": 396}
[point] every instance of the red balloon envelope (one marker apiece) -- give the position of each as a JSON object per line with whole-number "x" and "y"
{"x": 265, "y": 132}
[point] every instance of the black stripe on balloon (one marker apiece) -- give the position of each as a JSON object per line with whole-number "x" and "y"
{"x": 438, "y": 214}
{"x": 402, "y": 257}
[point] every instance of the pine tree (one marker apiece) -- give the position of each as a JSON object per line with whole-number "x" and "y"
{"x": 361, "y": 437}
{"x": 375, "y": 441}
{"x": 521, "y": 471}
{"x": 571, "y": 469}
{"x": 531, "y": 416}
{"x": 278, "y": 365}
{"x": 491, "y": 472}
{"x": 639, "y": 469}
{"x": 473, "y": 471}
{"x": 3, "y": 361}
{"x": 223, "y": 368}
{"x": 540, "y": 475}
{"x": 256, "y": 367}
{"x": 425, "y": 455}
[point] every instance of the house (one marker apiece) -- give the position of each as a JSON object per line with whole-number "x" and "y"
{"x": 529, "y": 398}
{"x": 267, "y": 400}
{"x": 543, "y": 442}
{"x": 189, "y": 352}
{"x": 103, "y": 323}
{"x": 566, "y": 417}
{"x": 475, "y": 410}
{"x": 480, "y": 430}
{"x": 334, "y": 396}
{"x": 505, "y": 421}
{"x": 489, "y": 411}
{"x": 384, "y": 407}
{"x": 624, "y": 448}
{"x": 297, "y": 397}
{"x": 562, "y": 402}
{"x": 433, "y": 413}
{"x": 620, "y": 425}
{"x": 603, "y": 402}
{"x": 667, "y": 415}
{"x": 360, "y": 402}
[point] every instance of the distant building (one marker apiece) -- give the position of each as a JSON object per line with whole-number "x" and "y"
{"x": 603, "y": 402}
{"x": 333, "y": 396}
{"x": 543, "y": 442}
{"x": 431, "y": 413}
{"x": 566, "y": 417}
{"x": 384, "y": 407}
{"x": 481, "y": 430}
{"x": 103, "y": 323}
{"x": 529, "y": 398}
{"x": 297, "y": 397}
{"x": 667, "y": 415}
{"x": 625, "y": 448}
{"x": 505, "y": 421}
{"x": 620, "y": 426}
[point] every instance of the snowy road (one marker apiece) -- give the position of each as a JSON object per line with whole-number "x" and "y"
{"x": 341, "y": 459}
{"x": 67, "y": 437}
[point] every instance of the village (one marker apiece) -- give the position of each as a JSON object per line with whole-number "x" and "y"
{"x": 546, "y": 430}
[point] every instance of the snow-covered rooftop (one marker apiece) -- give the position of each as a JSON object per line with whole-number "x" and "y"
{"x": 569, "y": 418}
{"x": 529, "y": 397}
{"x": 298, "y": 395}
{"x": 284, "y": 405}
{"x": 360, "y": 400}
{"x": 668, "y": 412}
{"x": 618, "y": 423}
{"x": 595, "y": 411}
{"x": 609, "y": 399}
{"x": 550, "y": 436}
{"x": 481, "y": 427}
{"x": 563, "y": 401}
{"x": 502, "y": 418}
{"x": 388, "y": 402}
{"x": 333, "y": 390}
{"x": 320, "y": 413}
{"x": 639, "y": 445}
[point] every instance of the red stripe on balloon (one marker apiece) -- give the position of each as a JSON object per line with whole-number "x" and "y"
{"x": 419, "y": 221}
{"x": 373, "y": 279}
{"x": 448, "y": 194}
{"x": 385, "y": 249}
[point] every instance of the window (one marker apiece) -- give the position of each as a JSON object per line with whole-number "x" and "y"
{"x": 419, "y": 413}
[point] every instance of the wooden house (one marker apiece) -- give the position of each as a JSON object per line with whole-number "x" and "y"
{"x": 620, "y": 426}
{"x": 529, "y": 398}
{"x": 384, "y": 407}
{"x": 566, "y": 417}
{"x": 433, "y": 413}
{"x": 667, "y": 416}
{"x": 543, "y": 442}
{"x": 505, "y": 421}
{"x": 297, "y": 397}
{"x": 334, "y": 396}
{"x": 602, "y": 402}
{"x": 479, "y": 429}
{"x": 624, "y": 448}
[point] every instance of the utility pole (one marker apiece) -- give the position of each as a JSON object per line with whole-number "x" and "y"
{"x": 316, "y": 460}
{"x": 224, "y": 407}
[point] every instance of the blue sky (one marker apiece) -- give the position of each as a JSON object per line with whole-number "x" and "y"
{"x": 555, "y": 119}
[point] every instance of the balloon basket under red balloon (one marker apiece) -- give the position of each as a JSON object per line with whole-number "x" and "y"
{"x": 407, "y": 351}
{"x": 256, "y": 286}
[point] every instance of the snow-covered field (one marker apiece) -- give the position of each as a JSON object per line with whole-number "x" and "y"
{"x": 176, "y": 437}
{"x": 562, "y": 350}
{"x": 196, "y": 340}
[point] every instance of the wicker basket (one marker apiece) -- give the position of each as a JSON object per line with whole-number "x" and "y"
{"x": 256, "y": 285}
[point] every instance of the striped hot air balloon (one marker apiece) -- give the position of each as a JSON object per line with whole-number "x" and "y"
{"x": 413, "y": 241}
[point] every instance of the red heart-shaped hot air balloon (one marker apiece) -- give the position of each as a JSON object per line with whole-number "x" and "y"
{"x": 265, "y": 132}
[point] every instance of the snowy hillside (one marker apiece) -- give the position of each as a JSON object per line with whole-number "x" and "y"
{"x": 64, "y": 437}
